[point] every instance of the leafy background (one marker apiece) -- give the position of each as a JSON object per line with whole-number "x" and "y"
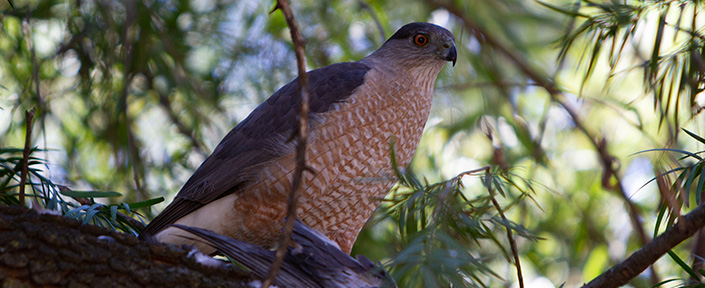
{"x": 577, "y": 106}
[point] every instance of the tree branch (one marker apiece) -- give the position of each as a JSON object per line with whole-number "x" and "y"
{"x": 301, "y": 136}
{"x": 165, "y": 102}
{"x": 510, "y": 235}
{"x": 621, "y": 273}
{"x": 129, "y": 35}
{"x": 29, "y": 115}
{"x": 365, "y": 6}
{"x": 44, "y": 250}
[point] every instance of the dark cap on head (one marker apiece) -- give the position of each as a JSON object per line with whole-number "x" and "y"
{"x": 411, "y": 29}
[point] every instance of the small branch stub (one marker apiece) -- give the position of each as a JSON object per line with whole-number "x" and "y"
{"x": 29, "y": 115}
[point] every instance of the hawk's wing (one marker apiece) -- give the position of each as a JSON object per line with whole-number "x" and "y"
{"x": 259, "y": 138}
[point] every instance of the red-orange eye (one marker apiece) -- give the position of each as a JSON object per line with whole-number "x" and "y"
{"x": 420, "y": 39}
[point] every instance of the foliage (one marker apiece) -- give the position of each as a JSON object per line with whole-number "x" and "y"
{"x": 556, "y": 96}
{"x": 80, "y": 205}
{"x": 668, "y": 75}
{"x": 446, "y": 238}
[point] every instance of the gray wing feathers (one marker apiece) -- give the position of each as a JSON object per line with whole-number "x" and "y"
{"x": 258, "y": 139}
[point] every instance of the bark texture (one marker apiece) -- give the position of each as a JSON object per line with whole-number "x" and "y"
{"x": 41, "y": 250}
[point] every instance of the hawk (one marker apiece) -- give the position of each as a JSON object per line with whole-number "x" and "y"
{"x": 356, "y": 110}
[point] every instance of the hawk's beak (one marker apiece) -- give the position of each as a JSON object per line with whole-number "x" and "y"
{"x": 452, "y": 53}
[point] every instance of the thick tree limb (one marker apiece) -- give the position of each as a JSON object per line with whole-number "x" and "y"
{"x": 621, "y": 273}
{"x": 42, "y": 250}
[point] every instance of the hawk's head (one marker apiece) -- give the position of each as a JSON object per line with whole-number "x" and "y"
{"x": 421, "y": 41}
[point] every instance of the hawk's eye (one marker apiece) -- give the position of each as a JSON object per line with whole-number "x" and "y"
{"x": 420, "y": 39}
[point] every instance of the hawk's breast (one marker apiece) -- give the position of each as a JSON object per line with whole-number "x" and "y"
{"x": 349, "y": 153}
{"x": 349, "y": 150}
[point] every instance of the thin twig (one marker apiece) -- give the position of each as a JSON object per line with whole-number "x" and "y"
{"x": 302, "y": 133}
{"x": 480, "y": 85}
{"x": 180, "y": 74}
{"x": 165, "y": 102}
{"x": 128, "y": 35}
{"x": 367, "y": 7}
{"x": 33, "y": 58}
{"x": 631, "y": 267}
{"x": 510, "y": 235}
{"x": 473, "y": 171}
{"x": 29, "y": 115}
{"x": 40, "y": 101}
